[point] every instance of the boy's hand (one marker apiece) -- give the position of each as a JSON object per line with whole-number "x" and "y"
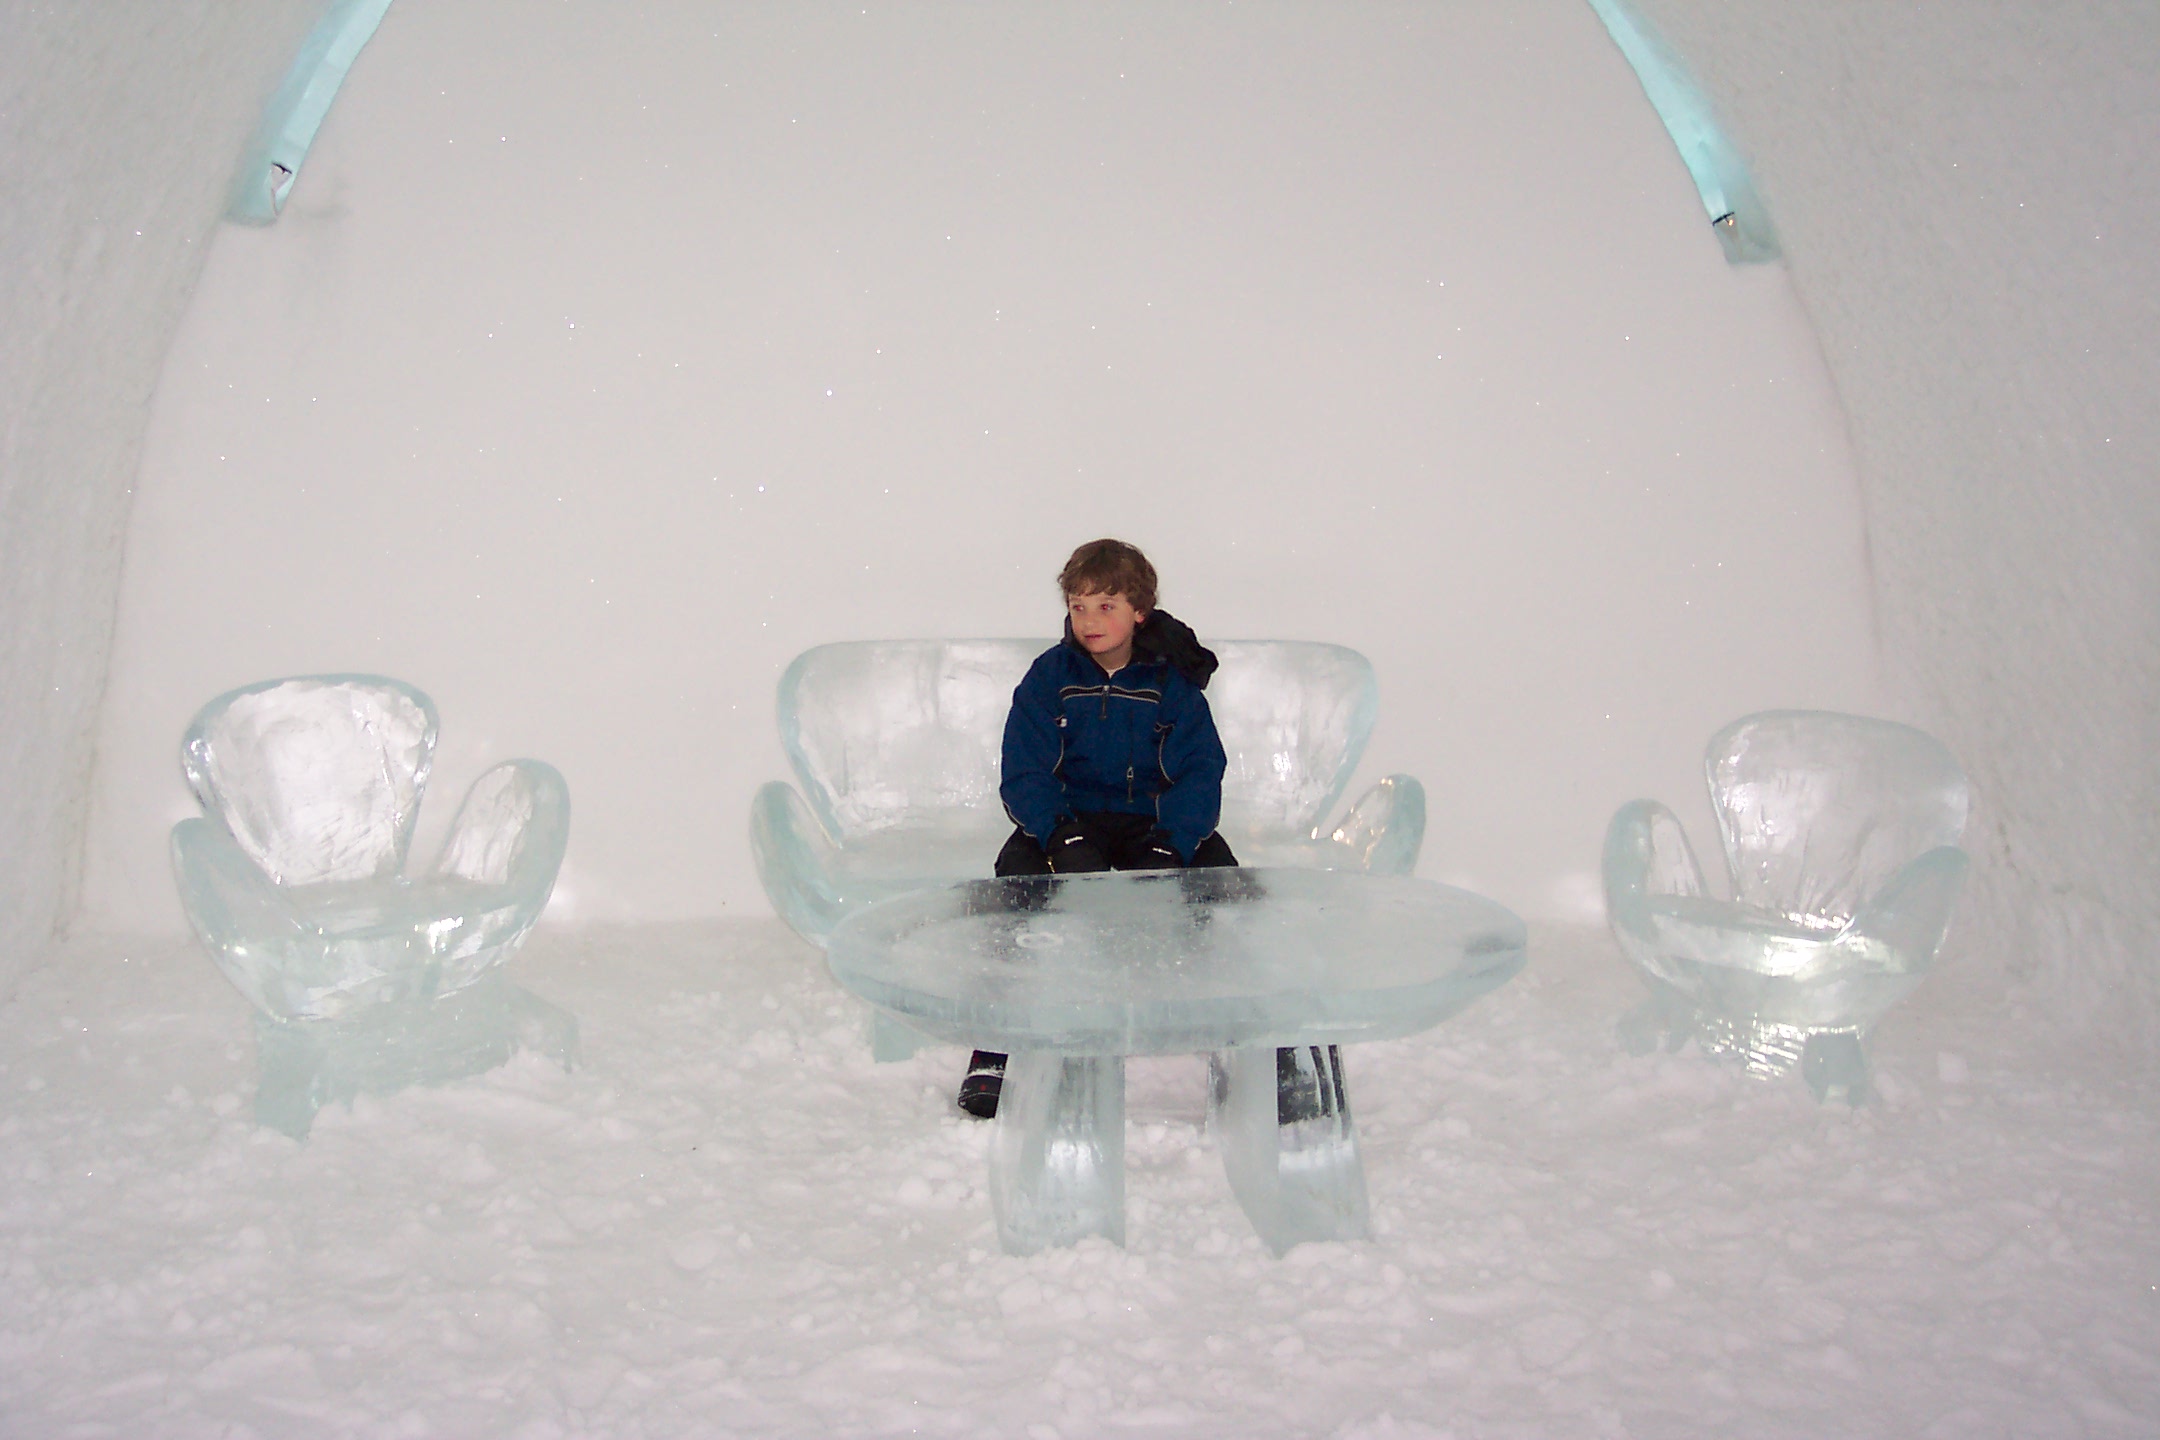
{"x": 1072, "y": 851}
{"x": 1161, "y": 854}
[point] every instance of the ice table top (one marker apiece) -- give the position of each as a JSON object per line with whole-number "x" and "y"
{"x": 1179, "y": 962}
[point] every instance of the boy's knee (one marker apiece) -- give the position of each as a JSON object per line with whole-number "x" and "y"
{"x": 1212, "y": 853}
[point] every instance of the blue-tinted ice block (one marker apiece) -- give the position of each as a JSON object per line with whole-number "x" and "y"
{"x": 1840, "y": 837}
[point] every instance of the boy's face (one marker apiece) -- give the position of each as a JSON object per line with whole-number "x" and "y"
{"x": 1104, "y": 624}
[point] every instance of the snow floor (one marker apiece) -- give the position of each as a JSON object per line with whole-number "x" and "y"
{"x": 728, "y": 1221}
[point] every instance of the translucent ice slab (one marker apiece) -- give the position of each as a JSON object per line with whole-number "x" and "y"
{"x": 1177, "y": 962}
{"x": 1840, "y": 837}
{"x": 895, "y": 748}
{"x": 1264, "y": 970}
{"x": 310, "y": 787}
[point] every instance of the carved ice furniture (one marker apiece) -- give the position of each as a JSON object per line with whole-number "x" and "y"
{"x": 293, "y": 878}
{"x": 1840, "y": 837}
{"x": 1071, "y": 974}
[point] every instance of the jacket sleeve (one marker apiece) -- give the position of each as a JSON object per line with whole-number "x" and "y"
{"x": 1193, "y": 762}
{"x": 1028, "y": 782}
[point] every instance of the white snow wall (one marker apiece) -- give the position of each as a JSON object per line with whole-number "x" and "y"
{"x": 120, "y": 125}
{"x": 1971, "y": 213}
{"x": 598, "y": 366}
{"x": 1988, "y": 353}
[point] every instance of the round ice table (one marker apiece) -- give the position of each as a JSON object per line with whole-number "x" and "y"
{"x": 1070, "y": 974}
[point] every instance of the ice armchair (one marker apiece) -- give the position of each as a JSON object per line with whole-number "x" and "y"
{"x": 895, "y": 747}
{"x": 1840, "y": 836}
{"x": 294, "y": 880}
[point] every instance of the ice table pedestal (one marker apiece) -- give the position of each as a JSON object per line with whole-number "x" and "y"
{"x": 1069, "y": 975}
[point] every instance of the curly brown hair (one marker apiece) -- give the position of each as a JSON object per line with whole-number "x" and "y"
{"x": 1110, "y": 567}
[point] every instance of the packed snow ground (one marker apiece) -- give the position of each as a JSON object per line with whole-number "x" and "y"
{"x": 728, "y": 1221}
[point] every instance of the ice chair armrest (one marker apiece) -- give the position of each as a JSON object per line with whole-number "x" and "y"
{"x": 1382, "y": 833}
{"x": 1904, "y": 925}
{"x": 795, "y": 861}
{"x": 227, "y": 897}
{"x": 1646, "y": 854}
{"x": 511, "y": 830}
{"x": 234, "y": 909}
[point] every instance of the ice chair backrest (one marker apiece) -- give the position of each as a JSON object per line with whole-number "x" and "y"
{"x": 1818, "y": 810}
{"x": 317, "y": 777}
{"x": 881, "y": 733}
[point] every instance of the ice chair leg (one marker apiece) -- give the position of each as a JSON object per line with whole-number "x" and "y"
{"x": 1665, "y": 1020}
{"x": 1057, "y": 1160}
{"x": 1834, "y": 1064}
{"x": 305, "y": 1065}
{"x": 1295, "y": 1170}
{"x": 538, "y": 1028}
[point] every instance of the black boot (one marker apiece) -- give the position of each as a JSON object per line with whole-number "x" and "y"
{"x": 985, "y": 1081}
{"x": 1309, "y": 1084}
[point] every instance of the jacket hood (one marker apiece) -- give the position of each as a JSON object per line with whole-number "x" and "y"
{"x": 1164, "y": 637}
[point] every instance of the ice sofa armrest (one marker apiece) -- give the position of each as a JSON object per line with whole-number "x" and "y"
{"x": 1903, "y": 926}
{"x": 794, "y": 861}
{"x": 1384, "y": 831}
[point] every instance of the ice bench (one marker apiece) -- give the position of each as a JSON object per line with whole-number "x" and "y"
{"x": 895, "y": 747}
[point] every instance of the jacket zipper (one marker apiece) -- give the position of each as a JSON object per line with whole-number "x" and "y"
{"x": 1128, "y": 784}
{"x": 1162, "y": 734}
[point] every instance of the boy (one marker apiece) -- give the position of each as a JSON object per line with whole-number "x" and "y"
{"x": 1111, "y": 759}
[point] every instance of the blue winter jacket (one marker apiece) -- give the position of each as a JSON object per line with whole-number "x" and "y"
{"x": 1140, "y": 742}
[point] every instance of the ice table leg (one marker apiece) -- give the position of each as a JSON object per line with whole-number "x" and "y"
{"x": 1297, "y": 1181}
{"x": 1057, "y": 1161}
{"x": 892, "y": 1040}
{"x": 1665, "y": 1020}
{"x": 305, "y": 1065}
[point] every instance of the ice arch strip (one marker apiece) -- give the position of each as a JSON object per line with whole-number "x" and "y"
{"x": 1721, "y": 177}
{"x": 289, "y": 122}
